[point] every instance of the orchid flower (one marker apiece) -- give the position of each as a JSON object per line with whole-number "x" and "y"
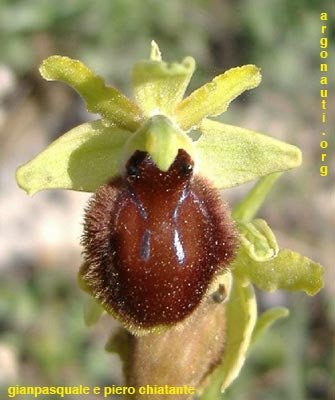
{"x": 160, "y": 121}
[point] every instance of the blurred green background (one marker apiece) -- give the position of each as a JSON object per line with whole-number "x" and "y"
{"x": 43, "y": 340}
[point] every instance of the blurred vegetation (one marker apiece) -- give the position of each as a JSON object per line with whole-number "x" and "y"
{"x": 43, "y": 338}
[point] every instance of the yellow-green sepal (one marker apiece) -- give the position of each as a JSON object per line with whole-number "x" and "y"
{"x": 214, "y": 97}
{"x": 229, "y": 155}
{"x": 159, "y": 86}
{"x": 113, "y": 106}
{"x": 161, "y": 139}
{"x": 81, "y": 159}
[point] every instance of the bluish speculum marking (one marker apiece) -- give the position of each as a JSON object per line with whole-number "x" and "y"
{"x": 177, "y": 245}
{"x": 138, "y": 204}
{"x": 145, "y": 246}
{"x": 200, "y": 204}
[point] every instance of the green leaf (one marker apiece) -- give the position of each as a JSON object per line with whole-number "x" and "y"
{"x": 159, "y": 86}
{"x": 289, "y": 271}
{"x": 114, "y": 107}
{"x": 241, "y": 315}
{"x": 248, "y": 207}
{"x": 118, "y": 343}
{"x": 161, "y": 139}
{"x": 92, "y": 311}
{"x": 258, "y": 240}
{"x": 214, "y": 97}
{"x": 266, "y": 319}
{"x": 229, "y": 155}
{"x": 81, "y": 159}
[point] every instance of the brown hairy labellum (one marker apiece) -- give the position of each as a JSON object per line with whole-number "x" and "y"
{"x": 154, "y": 241}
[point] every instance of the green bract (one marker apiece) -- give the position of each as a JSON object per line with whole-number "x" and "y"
{"x": 260, "y": 261}
{"x": 160, "y": 122}
{"x": 241, "y": 319}
{"x": 258, "y": 240}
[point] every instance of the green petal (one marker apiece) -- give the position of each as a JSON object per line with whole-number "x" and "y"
{"x": 81, "y": 159}
{"x": 229, "y": 155}
{"x": 266, "y": 319}
{"x": 112, "y": 105}
{"x": 214, "y": 98}
{"x": 241, "y": 315}
{"x": 159, "y": 86}
{"x": 161, "y": 139}
{"x": 248, "y": 207}
{"x": 258, "y": 240}
{"x": 289, "y": 271}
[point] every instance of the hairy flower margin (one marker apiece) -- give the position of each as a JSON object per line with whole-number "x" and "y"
{"x": 160, "y": 122}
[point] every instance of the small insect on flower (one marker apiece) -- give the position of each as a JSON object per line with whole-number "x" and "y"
{"x": 154, "y": 241}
